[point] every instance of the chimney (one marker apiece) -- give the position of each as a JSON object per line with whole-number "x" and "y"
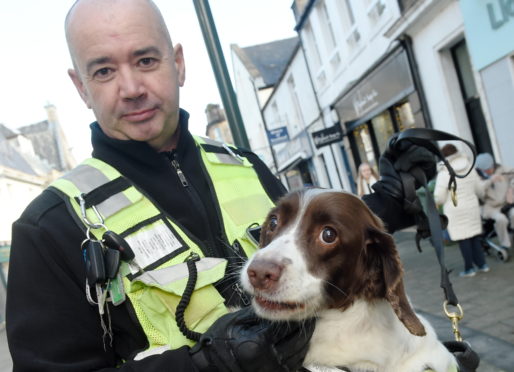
{"x": 215, "y": 114}
{"x": 51, "y": 113}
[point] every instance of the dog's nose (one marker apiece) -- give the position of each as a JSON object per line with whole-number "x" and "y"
{"x": 264, "y": 274}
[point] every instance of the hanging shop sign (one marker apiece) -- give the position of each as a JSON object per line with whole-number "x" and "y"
{"x": 278, "y": 135}
{"x": 327, "y": 136}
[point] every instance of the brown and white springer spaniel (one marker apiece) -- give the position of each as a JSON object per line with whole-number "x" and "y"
{"x": 325, "y": 254}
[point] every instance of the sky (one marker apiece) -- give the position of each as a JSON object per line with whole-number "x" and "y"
{"x": 35, "y": 59}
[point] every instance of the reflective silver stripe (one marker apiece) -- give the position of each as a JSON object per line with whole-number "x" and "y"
{"x": 154, "y": 351}
{"x": 87, "y": 178}
{"x": 210, "y": 141}
{"x": 228, "y": 159}
{"x": 177, "y": 272}
{"x": 223, "y": 157}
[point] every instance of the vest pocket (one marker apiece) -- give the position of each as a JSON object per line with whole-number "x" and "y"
{"x": 156, "y": 294}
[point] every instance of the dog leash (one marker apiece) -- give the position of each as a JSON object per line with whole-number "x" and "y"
{"x": 467, "y": 359}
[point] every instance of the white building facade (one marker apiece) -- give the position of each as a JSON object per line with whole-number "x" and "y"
{"x": 371, "y": 68}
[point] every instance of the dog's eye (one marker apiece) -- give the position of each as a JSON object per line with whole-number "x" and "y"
{"x": 273, "y": 223}
{"x": 328, "y": 235}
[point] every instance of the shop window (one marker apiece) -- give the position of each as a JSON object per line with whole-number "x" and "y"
{"x": 364, "y": 145}
{"x": 404, "y": 116}
{"x": 383, "y": 128}
{"x": 294, "y": 179}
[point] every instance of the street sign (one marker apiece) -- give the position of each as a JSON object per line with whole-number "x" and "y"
{"x": 278, "y": 135}
{"x": 327, "y": 136}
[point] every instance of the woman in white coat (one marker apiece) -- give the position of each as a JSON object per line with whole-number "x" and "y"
{"x": 464, "y": 222}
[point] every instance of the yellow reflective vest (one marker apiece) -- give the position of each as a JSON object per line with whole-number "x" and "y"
{"x": 161, "y": 245}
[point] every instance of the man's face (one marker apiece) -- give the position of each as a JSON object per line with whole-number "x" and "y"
{"x": 126, "y": 71}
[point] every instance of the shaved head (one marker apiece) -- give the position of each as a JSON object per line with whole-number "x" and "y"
{"x": 84, "y": 11}
{"x": 126, "y": 69}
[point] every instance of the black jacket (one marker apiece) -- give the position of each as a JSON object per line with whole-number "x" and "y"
{"x": 50, "y": 324}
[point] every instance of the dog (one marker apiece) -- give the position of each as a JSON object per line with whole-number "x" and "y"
{"x": 324, "y": 254}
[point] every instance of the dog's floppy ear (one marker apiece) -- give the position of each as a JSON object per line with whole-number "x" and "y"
{"x": 382, "y": 245}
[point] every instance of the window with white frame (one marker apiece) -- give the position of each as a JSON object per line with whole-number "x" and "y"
{"x": 348, "y": 17}
{"x": 312, "y": 46}
{"x": 326, "y": 25}
{"x": 352, "y": 34}
{"x": 298, "y": 122}
{"x": 275, "y": 116}
{"x": 375, "y": 9}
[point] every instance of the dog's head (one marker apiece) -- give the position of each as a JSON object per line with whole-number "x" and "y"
{"x": 323, "y": 249}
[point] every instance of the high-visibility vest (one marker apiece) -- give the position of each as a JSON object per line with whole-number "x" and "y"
{"x": 161, "y": 244}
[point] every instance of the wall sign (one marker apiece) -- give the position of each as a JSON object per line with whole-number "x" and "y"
{"x": 327, "y": 136}
{"x": 489, "y": 27}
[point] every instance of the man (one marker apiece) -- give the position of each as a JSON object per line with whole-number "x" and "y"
{"x": 498, "y": 193}
{"x": 156, "y": 198}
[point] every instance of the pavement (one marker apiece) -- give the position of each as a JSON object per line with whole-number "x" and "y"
{"x": 487, "y": 300}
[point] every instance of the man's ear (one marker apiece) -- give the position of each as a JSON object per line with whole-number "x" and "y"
{"x": 180, "y": 64}
{"x": 77, "y": 81}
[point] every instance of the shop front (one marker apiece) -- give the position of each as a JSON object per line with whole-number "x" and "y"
{"x": 384, "y": 101}
{"x": 294, "y": 162}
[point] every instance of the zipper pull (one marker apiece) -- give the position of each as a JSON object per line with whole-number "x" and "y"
{"x": 180, "y": 174}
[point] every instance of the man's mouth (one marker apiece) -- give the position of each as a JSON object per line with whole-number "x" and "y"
{"x": 278, "y": 306}
{"x": 138, "y": 116}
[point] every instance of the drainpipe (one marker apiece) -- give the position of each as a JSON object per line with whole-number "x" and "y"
{"x": 406, "y": 41}
{"x": 265, "y": 124}
{"x": 219, "y": 66}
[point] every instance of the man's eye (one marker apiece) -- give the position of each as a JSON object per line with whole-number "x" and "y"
{"x": 147, "y": 62}
{"x": 103, "y": 73}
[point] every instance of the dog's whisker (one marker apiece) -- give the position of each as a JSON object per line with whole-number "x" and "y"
{"x": 336, "y": 287}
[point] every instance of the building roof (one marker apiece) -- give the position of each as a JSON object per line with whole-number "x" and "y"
{"x": 6, "y": 132}
{"x": 268, "y": 60}
{"x": 10, "y": 157}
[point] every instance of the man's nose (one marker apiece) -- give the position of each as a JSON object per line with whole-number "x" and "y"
{"x": 131, "y": 84}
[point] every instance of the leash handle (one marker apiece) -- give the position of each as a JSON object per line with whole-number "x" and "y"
{"x": 427, "y": 139}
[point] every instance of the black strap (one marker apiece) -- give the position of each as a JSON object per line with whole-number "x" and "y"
{"x": 102, "y": 193}
{"x": 467, "y": 359}
{"x": 436, "y": 239}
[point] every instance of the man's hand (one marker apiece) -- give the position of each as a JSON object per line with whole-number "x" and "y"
{"x": 403, "y": 157}
{"x": 242, "y": 342}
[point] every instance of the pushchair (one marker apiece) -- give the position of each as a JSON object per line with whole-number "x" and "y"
{"x": 490, "y": 244}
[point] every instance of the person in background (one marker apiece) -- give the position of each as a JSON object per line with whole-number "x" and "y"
{"x": 498, "y": 194}
{"x": 366, "y": 178}
{"x": 464, "y": 222}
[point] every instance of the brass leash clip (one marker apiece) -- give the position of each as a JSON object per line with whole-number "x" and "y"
{"x": 455, "y": 318}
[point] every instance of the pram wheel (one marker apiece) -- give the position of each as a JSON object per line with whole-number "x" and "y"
{"x": 502, "y": 255}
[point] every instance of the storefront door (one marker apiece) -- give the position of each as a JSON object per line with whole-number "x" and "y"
{"x": 471, "y": 98}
